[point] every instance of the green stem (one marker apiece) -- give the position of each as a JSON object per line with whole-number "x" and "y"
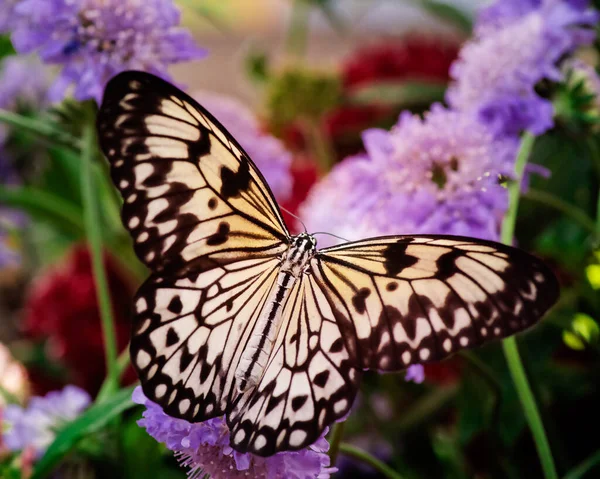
{"x": 297, "y": 34}
{"x": 509, "y": 345}
{"x": 576, "y": 214}
{"x": 94, "y": 236}
{"x": 123, "y": 361}
{"x": 335, "y": 441}
{"x": 367, "y": 458}
{"x": 582, "y": 469}
{"x": 39, "y": 128}
{"x": 320, "y": 145}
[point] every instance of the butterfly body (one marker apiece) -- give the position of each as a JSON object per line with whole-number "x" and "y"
{"x": 294, "y": 262}
{"x": 240, "y": 318}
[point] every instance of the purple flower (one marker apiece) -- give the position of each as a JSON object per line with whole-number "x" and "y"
{"x": 415, "y": 373}
{"x": 7, "y": 15}
{"x": 204, "y": 449}
{"x": 269, "y": 154}
{"x": 516, "y": 45}
{"x": 23, "y": 83}
{"x": 35, "y": 427}
{"x": 436, "y": 175}
{"x": 95, "y": 39}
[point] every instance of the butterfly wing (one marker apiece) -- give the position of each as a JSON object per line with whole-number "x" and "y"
{"x": 189, "y": 334}
{"x": 205, "y": 222}
{"x": 413, "y": 299}
{"x": 193, "y": 199}
{"x": 309, "y": 382}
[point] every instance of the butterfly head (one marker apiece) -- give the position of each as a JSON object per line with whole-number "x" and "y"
{"x": 302, "y": 248}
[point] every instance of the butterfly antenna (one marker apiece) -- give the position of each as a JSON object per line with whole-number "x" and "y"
{"x": 297, "y": 217}
{"x": 330, "y": 234}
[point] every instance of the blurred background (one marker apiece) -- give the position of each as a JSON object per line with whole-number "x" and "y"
{"x": 298, "y": 83}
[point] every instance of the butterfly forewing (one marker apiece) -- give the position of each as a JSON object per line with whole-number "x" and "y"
{"x": 192, "y": 197}
{"x": 413, "y": 299}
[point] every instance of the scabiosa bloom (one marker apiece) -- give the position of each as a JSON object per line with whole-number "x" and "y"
{"x": 515, "y": 47}
{"x": 95, "y": 39}
{"x": 204, "y": 449}
{"x": 436, "y": 175}
{"x": 34, "y": 427}
{"x": 269, "y": 154}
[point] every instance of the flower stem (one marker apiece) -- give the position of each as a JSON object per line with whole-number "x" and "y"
{"x": 367, "y": 458}
{"x": 336, "y": 439}
{"x": 582, "y": 469}
{"x": 320, "y": 146}
{"x": 39, "y": 128}
{"x": 576, "y": 214}
{"x": 298, "y": 29}
{"x": 509, "y": 345}
{"x": 94, "y": 237}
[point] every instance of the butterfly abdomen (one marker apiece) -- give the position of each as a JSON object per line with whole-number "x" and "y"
{"x": 260, "y": 345}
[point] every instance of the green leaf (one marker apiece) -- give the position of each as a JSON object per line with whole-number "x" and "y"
{"x": 90, "y": 422}
{"x": 6, "y": 47}
{"x": 45, "y": 206}
{"x": 448, "y": 13}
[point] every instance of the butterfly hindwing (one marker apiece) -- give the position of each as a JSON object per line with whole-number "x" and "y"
{"x": 309, "y": 382}
{"x": 414, "y": 299}
{"x": 192, "y": 197}
{"x": 189, "y": 333}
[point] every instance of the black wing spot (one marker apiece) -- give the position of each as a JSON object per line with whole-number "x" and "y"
{"x": 221, "y": 236}
{"x": 321, "y": 379}
{"x": 212, "y": 203}
{"x": 337, "y": 346}
{"x": 446, "y": 264}
{"x": 391, "y": 286}
{"x": 298, "y": 402}
{"x": 233, "y": 184}
{"x": 175, "y": 306}
{"x": 396, "y": 258}
{"x": 359, "y": 300}
{"x": 186, "y": 359}
{"x": 172, "y": 337}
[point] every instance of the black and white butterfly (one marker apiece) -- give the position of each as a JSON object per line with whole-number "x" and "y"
{"x": 240, "y": 318}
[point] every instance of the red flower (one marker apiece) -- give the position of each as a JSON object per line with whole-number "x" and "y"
{"x": 304, "y": 175}
{"x": 412, "y": 58}
{"x": 62, "y": 309}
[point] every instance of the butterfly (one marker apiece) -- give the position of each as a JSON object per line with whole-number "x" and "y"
{"x": 242, "y": 319}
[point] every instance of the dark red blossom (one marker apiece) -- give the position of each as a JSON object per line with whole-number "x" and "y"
{"x": 62, "y": 310}
{"x": 304, "y": 176}
{"x": 414, "y": 58}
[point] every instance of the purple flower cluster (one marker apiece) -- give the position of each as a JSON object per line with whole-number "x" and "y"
{"x": 269, "y": 153}
{"x": 516, "y": 45}
{"x": 436, "y": 175}
{"x": 204, "y": 449}
{"x": 34, "y": 428}
{"x": 95, "y": 39}
{"x": 23, "y": 86}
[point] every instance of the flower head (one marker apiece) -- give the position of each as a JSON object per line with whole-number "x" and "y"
{"x": 63, "y": 310}
{"x": 13, "y": 376}
{"x": 517, "y": 45}
{"x": 35, "y": 427}
{"x": 96, "y": 39}
{"x": 269, "y": 154}
{"x": 420, "y": 57}
{"x": 436, "y": 175}
{"x": 204, "y": 449}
